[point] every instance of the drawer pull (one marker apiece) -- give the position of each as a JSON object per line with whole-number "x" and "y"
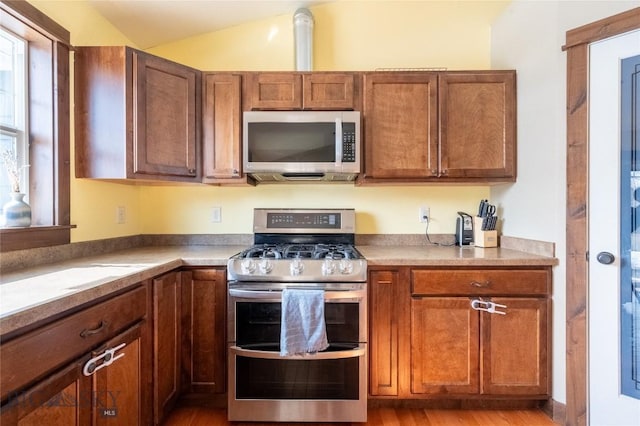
{"x": 107, "y": 358}
{"x": 89, "y": 332}
{"x": 477, "y": 284}
{"x": 481, "y": 305}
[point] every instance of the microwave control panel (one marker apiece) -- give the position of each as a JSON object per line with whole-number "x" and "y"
{"x": 349, "y": 143}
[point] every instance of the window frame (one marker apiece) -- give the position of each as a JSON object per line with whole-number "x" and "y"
{"x": 48, "y": 128}
{"x": 18, "y": 130}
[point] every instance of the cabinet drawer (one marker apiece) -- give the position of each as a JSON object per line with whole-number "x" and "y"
{"x": 30, "y": 357}
{"x": 464, "y": 282}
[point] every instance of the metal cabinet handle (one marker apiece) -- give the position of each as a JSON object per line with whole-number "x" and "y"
{"x": 486, "y": 306}
{"x": 478, "y": 284}
{"x": 91, "y": 331}
{"x": 107, "y": 358}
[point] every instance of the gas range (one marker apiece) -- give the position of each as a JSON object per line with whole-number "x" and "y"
{"x": 300, "y": 245}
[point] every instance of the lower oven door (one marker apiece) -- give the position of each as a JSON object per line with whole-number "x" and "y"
{"x": 327, "y": 386}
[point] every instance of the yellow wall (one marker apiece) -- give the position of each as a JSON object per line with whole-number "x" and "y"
{"x": 93, "y": 204}
{"x": 349, "y": 35}
{"x": 354, "y": 35}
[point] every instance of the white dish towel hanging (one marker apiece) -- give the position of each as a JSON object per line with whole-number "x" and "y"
{"x": 303, "y": 329}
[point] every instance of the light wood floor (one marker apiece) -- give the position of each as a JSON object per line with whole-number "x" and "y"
{"x": 192, "y": 416}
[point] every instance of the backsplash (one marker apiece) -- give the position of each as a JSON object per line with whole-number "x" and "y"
{"x": 20, "y": 259}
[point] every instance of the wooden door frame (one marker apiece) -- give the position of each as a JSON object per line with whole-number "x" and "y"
{"x": 577, "y": 278}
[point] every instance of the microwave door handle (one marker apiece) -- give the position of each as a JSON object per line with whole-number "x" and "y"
{"x": 339, "y": 141}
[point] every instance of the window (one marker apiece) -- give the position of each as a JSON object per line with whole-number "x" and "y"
{"x": 34, "y": 68}
{"x": 13, "y": 111}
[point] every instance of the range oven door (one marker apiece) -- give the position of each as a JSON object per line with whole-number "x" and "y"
{"x": 326, "y": 386}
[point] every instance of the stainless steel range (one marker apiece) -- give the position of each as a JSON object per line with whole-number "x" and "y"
{"x": 303, "y": 251}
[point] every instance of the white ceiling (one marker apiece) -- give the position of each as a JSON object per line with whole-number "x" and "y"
{"x": 149, "y": 23}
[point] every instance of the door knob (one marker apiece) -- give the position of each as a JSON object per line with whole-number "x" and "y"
{"x": 605, "y": 258}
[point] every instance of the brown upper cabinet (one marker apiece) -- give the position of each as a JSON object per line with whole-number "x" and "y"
{"x": 457, "y": 126}
{"x": 400, "y": 125}
{"x": 222, "y": 128}
{"x": 298, "y": 91}
{"x": 137, "y": 116}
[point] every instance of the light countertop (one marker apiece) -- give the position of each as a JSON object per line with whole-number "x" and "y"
{"x": 451, "y": 256}
{"x": 34, "y": 294}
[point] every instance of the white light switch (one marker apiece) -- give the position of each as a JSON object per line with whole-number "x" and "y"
{"x": 216, "y": 215}
{"x": 121, "y": 215}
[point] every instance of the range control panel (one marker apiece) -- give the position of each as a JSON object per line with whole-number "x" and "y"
{"x": 306, "y": 220}
{"x": 303, "y": 220}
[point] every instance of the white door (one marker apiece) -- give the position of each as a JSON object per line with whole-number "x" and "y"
{"x": 611, "y": 345}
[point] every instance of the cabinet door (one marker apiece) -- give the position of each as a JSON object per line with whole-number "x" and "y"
{"x": 166, "y": 343}
{"x": 204, "y": 295}
{"x": 514, "y": 348}
{"x": 119, "y": 389}
{"x": 444, "y": 346}
{"x": 166, "y": 117}
{"x": 54, "y": 401}
{"x": 478, "y": 124}
{"x": 276, "y": 91}
{"x": 401, "y": 126}
{"x": 383, "y": 333}
{"x": 222, "y": 127}
{"x": 330, "y": 91}
{"x": 113, "y": 394}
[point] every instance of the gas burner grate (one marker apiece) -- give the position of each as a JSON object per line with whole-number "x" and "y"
{"x": 301, "y": 251}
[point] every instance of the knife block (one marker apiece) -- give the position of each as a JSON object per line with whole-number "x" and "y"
{"x": 483, "y": 238}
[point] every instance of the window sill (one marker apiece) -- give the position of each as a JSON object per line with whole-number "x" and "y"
{"x": 34, "y": 237}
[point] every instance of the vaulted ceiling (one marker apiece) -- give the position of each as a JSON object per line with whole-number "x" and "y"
{"x": 149, "y": 23}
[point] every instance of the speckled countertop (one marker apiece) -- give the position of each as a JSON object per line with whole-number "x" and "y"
{"x": 34, "y": 294}
{"x": 451, "y": 256}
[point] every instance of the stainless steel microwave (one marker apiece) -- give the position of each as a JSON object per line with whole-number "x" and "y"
{"x": 282, "y": 146}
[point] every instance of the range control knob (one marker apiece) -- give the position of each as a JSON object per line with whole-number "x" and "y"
{"x": 248, "y": 266}
{"x": 328, "y": 267}
{"x": 296, "y": 267}
{"x": 266, "y": 266}
{"x": 346, "y": 266}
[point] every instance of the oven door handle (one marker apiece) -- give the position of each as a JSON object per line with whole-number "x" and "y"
{"x": 277, "y": 295}
{"x": 250, "y": 353}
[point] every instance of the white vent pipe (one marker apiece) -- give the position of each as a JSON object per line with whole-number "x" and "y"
{"x": 303, "y": 39}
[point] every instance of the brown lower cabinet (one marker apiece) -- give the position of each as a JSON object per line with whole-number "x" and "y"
{"x": 426, "y": 341}
{"x": 165, "y": 336}
{"x": 439, "y": 345}
{"x": 189, "y": 343}
{"x": 204, "y": 349}
{"x": 46, "y": 381}
{"x": 166, "y": 343}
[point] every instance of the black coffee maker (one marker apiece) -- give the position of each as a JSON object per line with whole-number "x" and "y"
{"x": 464, "y": 229}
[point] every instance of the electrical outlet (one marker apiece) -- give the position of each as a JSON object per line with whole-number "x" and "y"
{"x": 121, "y": 215}
{"x": 216, "y": 215}
{"x": 423, "y": 214}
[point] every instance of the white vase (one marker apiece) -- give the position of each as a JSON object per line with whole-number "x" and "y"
{"x": 16, "y": 212}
